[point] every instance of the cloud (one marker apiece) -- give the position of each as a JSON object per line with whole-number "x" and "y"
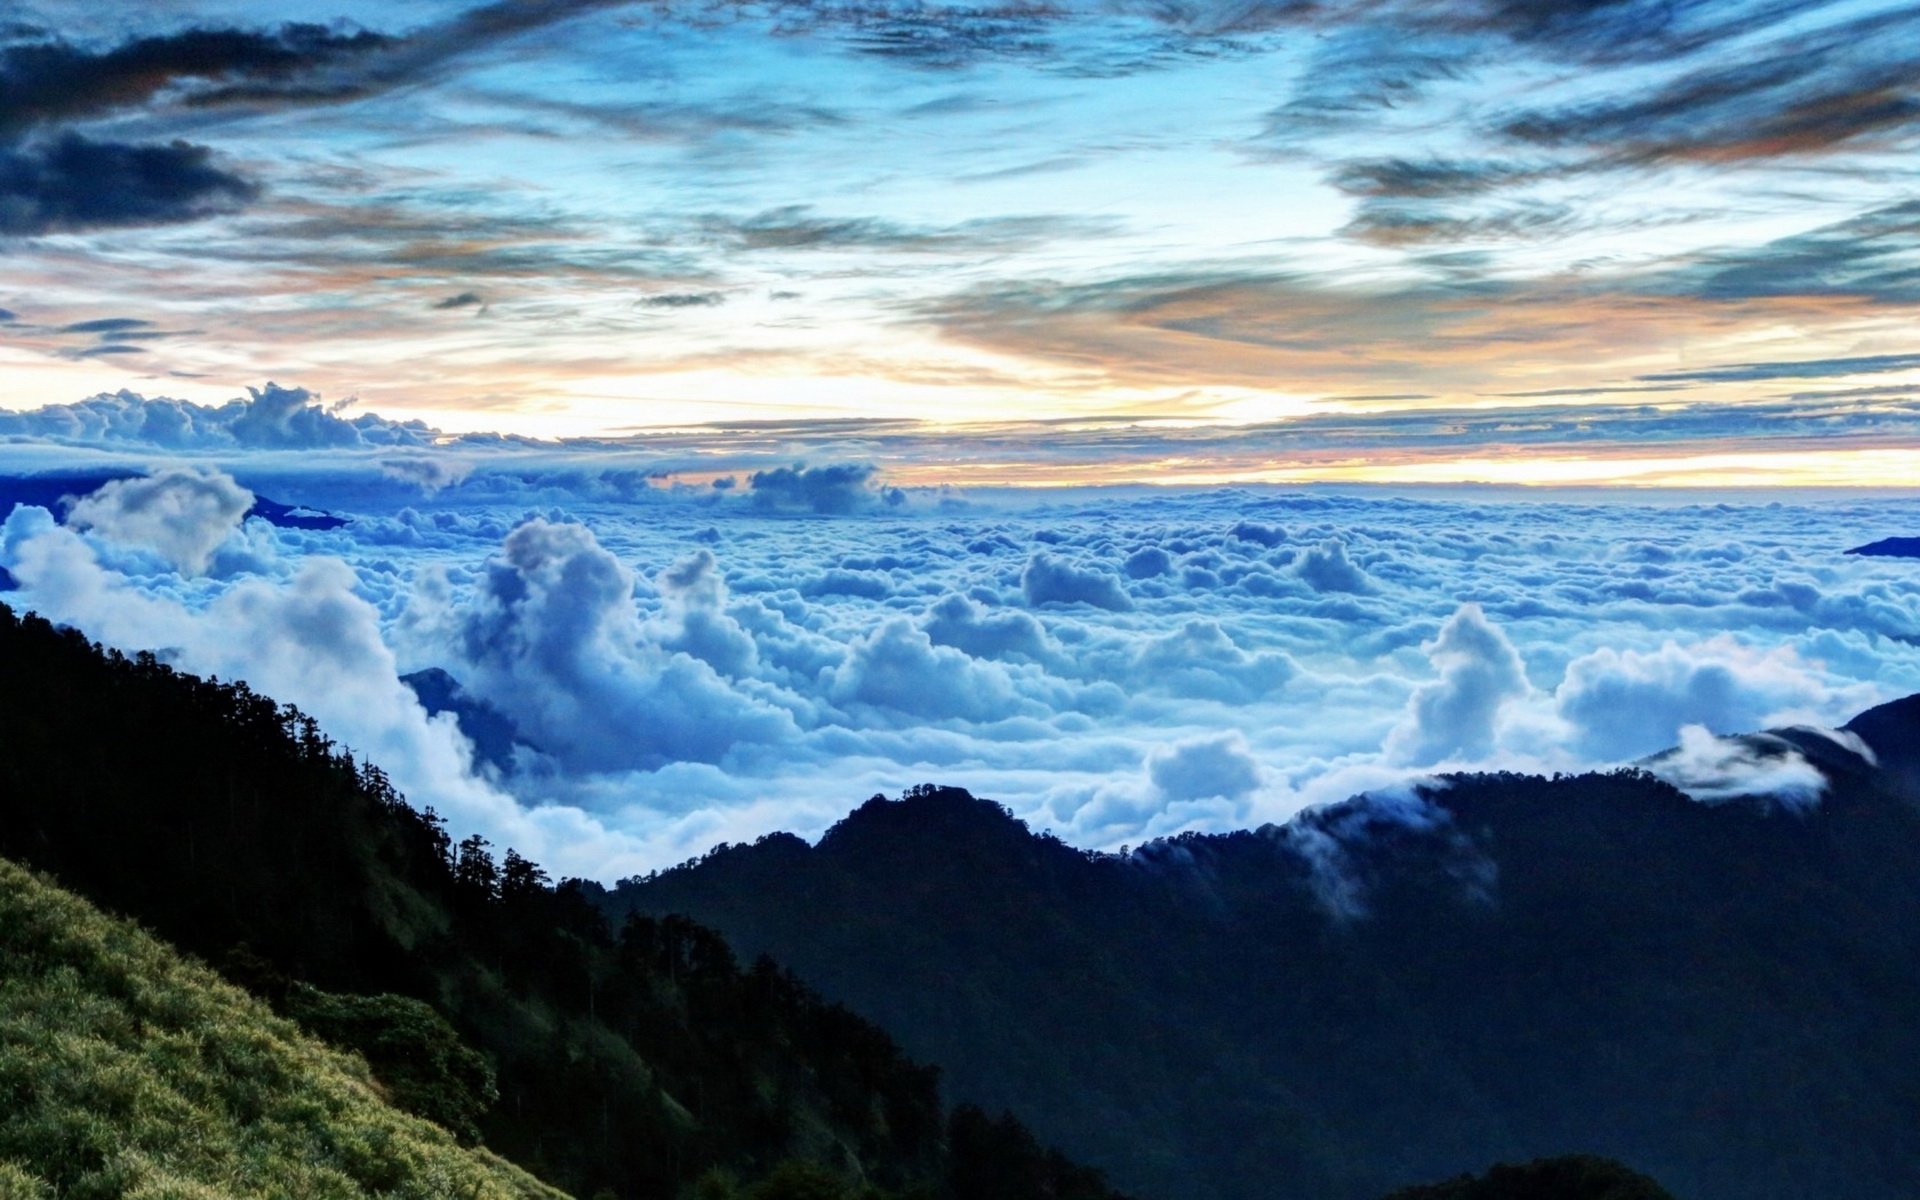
{"x": 837, "y": 488}
{"x": 1806, "y": 93}
{"x": 551, "y": 636}
{"x": 695, "y": 620}
{"x": 184, "y": 514}
{"x": 463, "y": 300}
{"x": 1624, "y": 703}
{"x": 74, "y": 183}
{"x": 1050, "y": 580}
{"x": 310, "y": 641}
{"x": 1326, "y": 568}
{"x": 958, "y": 621}
{"x": 271, "y": 417}
{"x": 430, "y": 474}
{"x": 1205, "y": 768}
{"x": 1147, "y": 562}
{"x": 692, "y": 666}
{"x": 1715, "y": 769}
{"x": 52, "y": 82}
{"x": 684, "y": 300}
{"x": 1201, "y": 660}
{"x": 796, "y": 227}
{"x": 1818, "y": 368}
{"x": 1455, "y": 716}
{"x": 898, "y": 667}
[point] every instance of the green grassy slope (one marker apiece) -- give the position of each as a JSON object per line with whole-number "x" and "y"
{"x": 128, "y": 1071}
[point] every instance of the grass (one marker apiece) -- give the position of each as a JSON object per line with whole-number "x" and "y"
{"x": 127, "y": 1071}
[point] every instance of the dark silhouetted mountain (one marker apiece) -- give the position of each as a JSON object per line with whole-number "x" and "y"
{"x": 1893, "y": 547}
{"x": 1570, "y": 1177}
{"x": 637, "y": 1059}
{"x": 293, "y": 516}
{"x": 1397, "y": 988}
{"x": 492, "y": 732}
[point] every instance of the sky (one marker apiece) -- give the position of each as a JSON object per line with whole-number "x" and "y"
{"x": 1152, "y": 416}
{"x": 1682, "y": 233}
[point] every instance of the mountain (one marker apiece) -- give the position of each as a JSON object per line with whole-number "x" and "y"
{"x": 128, "y": 1071}
{"x": 1893, "y": 547}
{"x": 610, "y": 1060}
{"x": 1400, "y": 987}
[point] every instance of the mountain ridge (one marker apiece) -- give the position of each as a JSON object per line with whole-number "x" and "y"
{"x": 1394, "y": 989}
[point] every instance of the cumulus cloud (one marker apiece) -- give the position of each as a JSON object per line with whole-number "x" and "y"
{"x": 960, "y": 622}
{"x": 1147, "y": 562}
{"x": 1455, "y": 715}
{"x": 1623, "y": 703}
{"x": 183, "y": 514}
{"x": 1205, "y": 767}
{"x": 695, "y": 620}
{"x": 1326, "y": 568}
{"x": 838, "y": 488}
{"x": 1050, "y": 580}
{"x": 1201, "y": 660}
{"x": 552, "y": 637}
{"x": 270, "y": 417}
{"x": 898, "y": 667}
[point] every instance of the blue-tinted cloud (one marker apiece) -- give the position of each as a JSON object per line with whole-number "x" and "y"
{"x": 680, "y": 665}
{"x": 1051, "y": 580}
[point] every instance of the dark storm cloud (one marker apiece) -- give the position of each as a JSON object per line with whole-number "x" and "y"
{"x": 53, "y": 82}
{"x": 75, "y": 183}
{"x": 53, "y": 179}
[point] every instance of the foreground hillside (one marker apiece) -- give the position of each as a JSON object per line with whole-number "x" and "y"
{"x": 1394, "y": 990}
{"x": 636, "y": 1059}
{"x": 125, "y": 1071}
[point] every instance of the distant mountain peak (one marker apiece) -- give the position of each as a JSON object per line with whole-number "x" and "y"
{"x": 1893, "y": 547}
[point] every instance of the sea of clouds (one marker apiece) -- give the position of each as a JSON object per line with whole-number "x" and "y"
{"x": 651, "y": 667}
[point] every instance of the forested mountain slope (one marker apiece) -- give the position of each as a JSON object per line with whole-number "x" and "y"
{"x": 1392, "y": 990}
{"x": 634, "y": 1059}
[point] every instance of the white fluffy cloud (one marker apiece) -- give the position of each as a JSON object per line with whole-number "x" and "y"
{"x": 1050, "y": 580}
{"x": 552, "y": 637}
{"x": 182, "y": 514}
{"x": 1625, "y": 703}
{"x": 1205, "y": 767}
{"x": 1455, "y": 716}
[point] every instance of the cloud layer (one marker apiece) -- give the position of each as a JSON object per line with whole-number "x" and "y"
{"x": 668, "y": 666}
